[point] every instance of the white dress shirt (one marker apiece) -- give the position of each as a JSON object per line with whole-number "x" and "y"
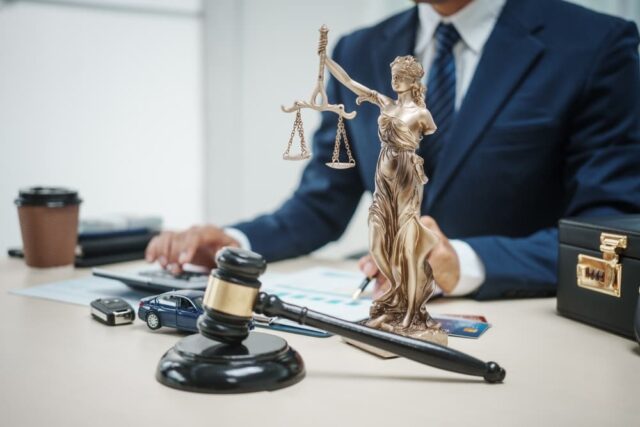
{"x": 474, "y": 23}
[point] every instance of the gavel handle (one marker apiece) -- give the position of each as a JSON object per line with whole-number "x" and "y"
{"x": 420, "y": 351}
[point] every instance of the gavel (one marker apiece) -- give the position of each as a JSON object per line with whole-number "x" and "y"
{"x": 225, "y": 344}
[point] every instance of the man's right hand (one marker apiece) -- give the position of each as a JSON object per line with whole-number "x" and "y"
{"x": 197, "y": 245}
{"x": 370, "y": 269}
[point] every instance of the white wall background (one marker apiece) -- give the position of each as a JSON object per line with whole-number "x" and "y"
{"x": 107, "y": 100}
{"x": 117, "y": 97}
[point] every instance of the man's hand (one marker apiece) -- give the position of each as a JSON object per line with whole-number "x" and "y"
{"x": 197, "y": 245}
{"x": 370, "y": 269}
{"x": 443, "y": 259}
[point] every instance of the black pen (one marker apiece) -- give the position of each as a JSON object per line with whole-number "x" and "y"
{"x": 363, "y": 286}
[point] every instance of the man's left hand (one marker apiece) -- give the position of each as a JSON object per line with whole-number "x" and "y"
{"x": 443, "y": 258}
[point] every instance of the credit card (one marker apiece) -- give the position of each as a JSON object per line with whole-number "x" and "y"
{"x": 475, "y": 317}
{"x": 462, "y": 327}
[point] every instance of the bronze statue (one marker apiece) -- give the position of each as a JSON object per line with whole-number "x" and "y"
{"x": 398, "y": 242}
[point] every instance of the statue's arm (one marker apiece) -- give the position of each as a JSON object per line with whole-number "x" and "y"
{"x": 363, "y": 92}
{"x": 428, "y": 125}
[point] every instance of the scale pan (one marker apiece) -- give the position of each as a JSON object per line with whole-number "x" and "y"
{"x": 340, "y": 165}
{"x": 296, "y": 156}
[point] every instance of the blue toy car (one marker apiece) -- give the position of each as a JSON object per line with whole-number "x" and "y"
{"x": 176, "y": 309}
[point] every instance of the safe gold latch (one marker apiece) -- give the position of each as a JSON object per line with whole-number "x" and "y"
{"x": 603, "y": 274}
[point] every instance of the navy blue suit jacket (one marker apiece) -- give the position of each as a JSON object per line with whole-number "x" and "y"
{"x": 549, "y": 128}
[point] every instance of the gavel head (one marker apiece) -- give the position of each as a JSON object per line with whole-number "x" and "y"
{"x": 231, "y": 294}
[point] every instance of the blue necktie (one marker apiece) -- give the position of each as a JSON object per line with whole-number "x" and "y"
{"x": 441, "y": 94}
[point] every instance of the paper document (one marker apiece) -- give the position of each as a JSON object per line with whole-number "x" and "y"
{"x": 321, "y": 289}
{"x": 82, "y": 291}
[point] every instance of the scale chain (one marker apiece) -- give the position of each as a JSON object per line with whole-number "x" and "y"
{"x": 336, "y": 148}
{"x": 297, "y": 125}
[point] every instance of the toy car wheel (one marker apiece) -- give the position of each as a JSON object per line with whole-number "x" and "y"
{"x": 153, "y": 321}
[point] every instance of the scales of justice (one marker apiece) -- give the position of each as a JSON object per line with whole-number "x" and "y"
{"x": 227, "y": 356}
{"x": 398, "y": 242}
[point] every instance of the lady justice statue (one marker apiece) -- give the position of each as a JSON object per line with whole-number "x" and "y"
{"x": 398, "y": 242}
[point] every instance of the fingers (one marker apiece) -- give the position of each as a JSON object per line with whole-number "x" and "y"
{"x": 370, "y": 269}
{"x": 197, "y": 245}
{"x": 157, "y": 249}
{"x": 188, "y": 250}
{"x": 150, "y": 254}
{"x": 367, "y": 266}
{"x": 363, "y": 260}
{"x": 190, "y": 245}
{"x": 381, "y": 286}
{"x": 428, "y": 221}
{"x": 432, "y": 225}
{"x": 443, "y": 258}
{"x": 176, "y": 248}
{"x": 166, "y": 249}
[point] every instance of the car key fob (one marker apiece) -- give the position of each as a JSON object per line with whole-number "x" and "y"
{"x": 112, "y": 311}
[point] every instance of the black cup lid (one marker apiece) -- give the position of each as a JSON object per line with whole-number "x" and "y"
{"x": 47, "y": 196}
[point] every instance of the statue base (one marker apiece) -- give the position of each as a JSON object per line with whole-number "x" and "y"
{"x": 435, "y": 335}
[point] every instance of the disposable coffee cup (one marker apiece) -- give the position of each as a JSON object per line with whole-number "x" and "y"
{"x": 49, "y": 225}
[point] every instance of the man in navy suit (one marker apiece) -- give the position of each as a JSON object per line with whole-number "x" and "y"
{"x": 544, "y": 124}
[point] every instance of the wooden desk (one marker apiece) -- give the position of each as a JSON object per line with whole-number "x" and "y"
{"x": 60, "y": 368}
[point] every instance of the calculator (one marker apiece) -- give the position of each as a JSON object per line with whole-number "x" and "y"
{"x": 157, "y": 280}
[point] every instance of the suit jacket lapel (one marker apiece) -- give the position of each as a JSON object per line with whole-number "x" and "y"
{"x": 399, "y": 40}
{"x": 510, "y": 52}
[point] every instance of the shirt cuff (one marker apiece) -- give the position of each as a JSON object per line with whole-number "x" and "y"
{"x": 238, "y": 236}
{"x": 472, "y": 272}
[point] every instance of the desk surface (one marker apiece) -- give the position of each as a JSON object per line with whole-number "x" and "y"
{"x": 59, "y": 367}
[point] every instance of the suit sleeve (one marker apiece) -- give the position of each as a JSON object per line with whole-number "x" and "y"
{"x": 601, "y": 172}
{"x": 320, "y": 209}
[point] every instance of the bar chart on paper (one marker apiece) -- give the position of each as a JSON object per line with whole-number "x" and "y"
{"x": 320, "y": 289}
